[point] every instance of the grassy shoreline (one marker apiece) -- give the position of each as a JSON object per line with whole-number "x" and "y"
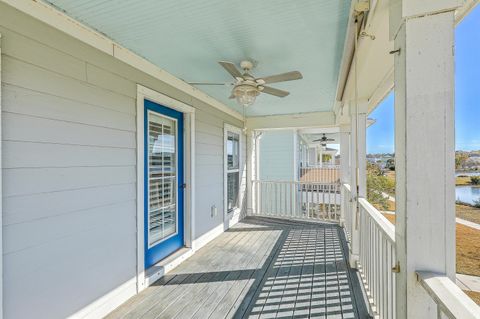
{"x": 468, "y": 248}
{"x": 468, "y": 212}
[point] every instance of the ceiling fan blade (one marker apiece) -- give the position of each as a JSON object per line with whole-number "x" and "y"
{"x": 273, "y": 91}
{"x": 206, "y": 83}
{"x": 289, "y": 76}
{"x": 231, "y": 68}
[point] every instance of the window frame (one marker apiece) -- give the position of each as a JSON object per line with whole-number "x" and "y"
{"x": 148, "y": 112}
{"x": 236, "y": 130}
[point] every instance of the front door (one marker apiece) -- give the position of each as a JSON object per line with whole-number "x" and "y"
{"x": 164, "y": 227}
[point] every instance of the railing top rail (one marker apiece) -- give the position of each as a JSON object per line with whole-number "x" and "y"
{"x": 321, "y": 166}
{"x": 383, "y": 224}
{"x": 453, "y": 302}
{"x": 296, "y": 182}
{"x": 347, "y": 186}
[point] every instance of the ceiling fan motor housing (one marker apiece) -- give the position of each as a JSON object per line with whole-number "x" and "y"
{"x": 246, "y": 65}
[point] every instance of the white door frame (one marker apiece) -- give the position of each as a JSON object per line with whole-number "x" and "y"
{"x": 1, "y": 192}
{"x": 144, "y": 93}
{"x": 235, "y": 213}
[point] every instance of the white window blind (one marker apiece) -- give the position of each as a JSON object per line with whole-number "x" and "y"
{"x": 162, "y": 178}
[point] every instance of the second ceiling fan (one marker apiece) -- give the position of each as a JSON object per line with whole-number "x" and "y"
{"x": 323, "y": 140}
{"x": 246, "y": 87}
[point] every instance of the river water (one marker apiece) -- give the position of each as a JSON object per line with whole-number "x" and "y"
{"x": 467, "y": 194}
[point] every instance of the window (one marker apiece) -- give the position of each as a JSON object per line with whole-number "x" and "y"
{"x": 232, "y": 168}
{"x": 162, "y": 178}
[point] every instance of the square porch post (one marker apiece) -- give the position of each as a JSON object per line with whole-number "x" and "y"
{"x": 423, "y": 32}
{"x": 344, "y": 166}
{"x": 358, "y": 170}
{"x": 251, "y": 171}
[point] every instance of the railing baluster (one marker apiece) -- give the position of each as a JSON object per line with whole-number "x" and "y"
{"x": 319, "y": 201}
{"x": 377, "y": 257}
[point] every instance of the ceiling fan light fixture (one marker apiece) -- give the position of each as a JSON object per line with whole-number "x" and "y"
{"x": 245, "y": 95}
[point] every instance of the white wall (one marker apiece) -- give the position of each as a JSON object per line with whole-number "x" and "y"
{"x": 69, "y": 168}
{"x": 209, "y": 169}
{"x": 277, "y": 152}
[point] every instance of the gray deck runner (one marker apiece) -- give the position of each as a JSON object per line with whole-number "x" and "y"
{"x": 261, "y": 268}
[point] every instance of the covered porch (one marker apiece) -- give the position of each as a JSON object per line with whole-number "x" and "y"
{"x": 143, "y": 197}
{"x": 260, "y": 268}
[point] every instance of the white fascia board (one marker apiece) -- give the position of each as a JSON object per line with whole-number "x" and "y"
{"x": 320, "y": 130}
{"x": 463, "y": 11}
{"x": 348, "y": 51}
{"x": 370, "y": 122}
{"x": 291, "y": 121}
{"x": 59, "y": 20}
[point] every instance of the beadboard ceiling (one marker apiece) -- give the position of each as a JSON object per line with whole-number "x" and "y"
{"x": 188, "y": 37}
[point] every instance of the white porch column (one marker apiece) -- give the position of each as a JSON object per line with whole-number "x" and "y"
{"x": 423, "y": 31}
{"x": 344, "y": 166}
{"x": 251, "y": 170}
{"x": 358, "y": 169}
{"x": 319, "y": 158}
{"x": 345, "y": 154}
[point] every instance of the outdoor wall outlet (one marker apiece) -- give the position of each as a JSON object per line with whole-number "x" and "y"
{"x": 213, "y": 211}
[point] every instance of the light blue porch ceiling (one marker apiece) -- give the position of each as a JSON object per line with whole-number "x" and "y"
{"x": 188, "y": 37}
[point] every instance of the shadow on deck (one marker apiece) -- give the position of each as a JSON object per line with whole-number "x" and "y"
{"x": 261, "y": 268}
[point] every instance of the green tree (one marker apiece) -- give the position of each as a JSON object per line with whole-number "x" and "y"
{"x": 326, "y": 157}
{"x": 377, "y": 184}
{"x": 460, "y": 160}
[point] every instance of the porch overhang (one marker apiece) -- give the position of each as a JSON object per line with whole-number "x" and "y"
{"x": 307, "y": 36}
{"x": 286, "y": 121}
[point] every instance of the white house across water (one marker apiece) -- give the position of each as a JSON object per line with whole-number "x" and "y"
{"x": 131, "y": 168}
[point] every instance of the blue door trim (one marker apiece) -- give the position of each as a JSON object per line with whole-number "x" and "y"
{"x": 165, "y": 248}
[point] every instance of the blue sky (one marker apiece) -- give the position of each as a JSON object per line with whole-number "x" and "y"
{"x": 380, "y": 136}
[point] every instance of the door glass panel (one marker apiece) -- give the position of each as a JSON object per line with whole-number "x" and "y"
{"x": 232, "y": 190}
{"x": 232, "y": 150}
{"x": 162, "y": 178}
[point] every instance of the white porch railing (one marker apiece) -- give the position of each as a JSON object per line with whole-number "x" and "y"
{"x": 347, "y": 210}
{"x": 377, "y": 258}
{"x": 377, "y": 267}
{"x": 377, "y": 251}
{"x": 451, "y": 301}
{"x": 315, "y": 201}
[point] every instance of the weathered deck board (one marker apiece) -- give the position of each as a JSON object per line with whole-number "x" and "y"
{"x": 261, "y": 268}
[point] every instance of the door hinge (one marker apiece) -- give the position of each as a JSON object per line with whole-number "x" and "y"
{"x": 396, "y": 269}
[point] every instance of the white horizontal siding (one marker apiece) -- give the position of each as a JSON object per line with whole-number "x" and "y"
{"x": 78, "y": 274}
{"x": 18, "y": 100}
{"x": 33, "y": 129}
{"x": 69, "y": 165}
{"x": 17, "y": 155}
{"x": 277, "y": 155}
{"x": 26, "y": 75}
{"x": 27, "y": 181}
{"x": 209, "y": 170}
{"x": 43, "y": 231}
{"x": 18, "y": 209}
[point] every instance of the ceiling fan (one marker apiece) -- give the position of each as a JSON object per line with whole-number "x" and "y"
{"x": 246, "y": 87}
{"x": 323, "y": 140}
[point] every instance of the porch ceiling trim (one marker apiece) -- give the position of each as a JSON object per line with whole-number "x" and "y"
{"x": 297, "y": 121}
{"x": 74, "y": 28}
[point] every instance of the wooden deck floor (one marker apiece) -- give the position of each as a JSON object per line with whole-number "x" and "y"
{"x": 261, "y": 268}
